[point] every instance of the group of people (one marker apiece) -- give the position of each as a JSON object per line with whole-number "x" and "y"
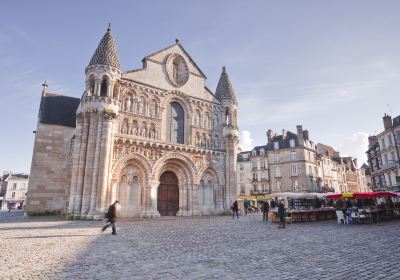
{"x": 265, "y": 207}
{"x": 114, "y": 209}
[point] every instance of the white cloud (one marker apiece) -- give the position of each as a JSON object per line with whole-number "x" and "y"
{"x": 245, "y": 140}
{"x": 355, "y": 146}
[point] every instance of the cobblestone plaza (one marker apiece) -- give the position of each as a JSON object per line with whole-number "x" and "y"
{"x": 196, "y": 248}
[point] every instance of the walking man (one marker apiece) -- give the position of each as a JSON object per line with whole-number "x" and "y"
{"x": 235, "y": 210}
{"x": 112, "y": 215}
{"x": 265, "y": 210}
{"x": 246, "y": 206}
{"x": 281, "y": 214}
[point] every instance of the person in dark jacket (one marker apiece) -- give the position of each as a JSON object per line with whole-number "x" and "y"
{"x": 246, "y": 206}
{"x": 273, "y": 204}
{"x": 235, "y": 209}
{"x": 281, "y": 214}
{"x": 265, "y": 210}
{"x": 112, "y": 216}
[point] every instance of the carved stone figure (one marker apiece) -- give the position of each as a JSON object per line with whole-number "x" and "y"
{"x": 215, "y": 121}
{"x": 134, "y": 106}
{"x": 141, "y": 107}
{"x": 128, "y": 103}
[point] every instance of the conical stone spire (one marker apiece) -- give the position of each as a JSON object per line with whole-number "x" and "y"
{"x": 106, "y": 52}
{"x": 224, "y": 88}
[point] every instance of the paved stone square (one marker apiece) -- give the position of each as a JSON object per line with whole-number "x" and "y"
{"x": 196, "y": 248}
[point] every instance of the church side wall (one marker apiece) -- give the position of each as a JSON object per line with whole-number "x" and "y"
{"x": 50, "y": 169}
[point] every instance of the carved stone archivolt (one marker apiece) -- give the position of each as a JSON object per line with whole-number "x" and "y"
{"x": 123, "y": 149}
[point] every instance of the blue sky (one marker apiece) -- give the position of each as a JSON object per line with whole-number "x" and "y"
{"x": 332, "y": 66}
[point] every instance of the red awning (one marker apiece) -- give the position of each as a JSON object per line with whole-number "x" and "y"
{"x": 361, "y": 195}
{"x": 373, "y": 194}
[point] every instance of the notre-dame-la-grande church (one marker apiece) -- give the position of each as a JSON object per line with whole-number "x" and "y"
{"x": 156, "y": 139}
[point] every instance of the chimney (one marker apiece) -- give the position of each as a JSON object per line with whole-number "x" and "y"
{"x": 387, "y": 122}
{"x": 305, "y": 135}
{"x": 269, "y": 135}
{"x": 300, "y": 135}
{"x": 371, "y": 140}
{"x": 284, "y": 133}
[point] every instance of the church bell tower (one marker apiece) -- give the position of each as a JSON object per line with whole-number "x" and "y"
{"x": 226, "y": 96}
{"x": 95, "y": 121}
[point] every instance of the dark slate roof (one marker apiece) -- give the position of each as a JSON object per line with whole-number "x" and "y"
{"x": 19, "y": 175}
{"x": 58, "y": 109}
{"x": 106, "y": 53}
{"x": 224, "y": 87}
{"x": 283, "y": 142}
{"x": 241, "y": 155}
{"x": 330, "y": 151}
{"x": 396, "y": 121}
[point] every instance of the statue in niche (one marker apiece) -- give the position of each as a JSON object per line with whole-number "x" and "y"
{"x": 141, "y": 107}
{"x": 151, "y": 134}
{"x": 134, "y": 106}
{"x": 143, "y": 132}
{"x": 134, "y": 130}
{"x": 124, "y": 128}
{"x": 152, "y": 111}
{"x": 215, "y": 121}
{"x": 128, "y": 103}
{"x": 203, "y": 142}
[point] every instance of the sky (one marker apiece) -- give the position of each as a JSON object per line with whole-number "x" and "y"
{"x": 331, "y": 66}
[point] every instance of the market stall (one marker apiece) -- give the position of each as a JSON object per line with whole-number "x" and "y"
{"x": 366, "y": 206}
{"x": 302, "y": 207}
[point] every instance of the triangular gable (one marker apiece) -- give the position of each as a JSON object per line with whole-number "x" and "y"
{"x": 160, "y": 55}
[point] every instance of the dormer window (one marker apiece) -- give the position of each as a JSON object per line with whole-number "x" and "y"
{"x": 276, "y": 145}
{"x": 291, "y": 143}
{"x": 262, "y": 152}
{"x": 254, "y": 153}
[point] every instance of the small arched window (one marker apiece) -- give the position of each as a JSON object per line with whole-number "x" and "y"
{"x": 91, "y": 87}
{"x": 103, "y": 90}
{"x": 227, "y": 117}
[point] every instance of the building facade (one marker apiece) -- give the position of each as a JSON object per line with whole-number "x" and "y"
{"x": 156, "y": 139}
{"x": 291, "y": 162}
{"x": 16, "y": 188}
{"x": 244, "y": 168}
{"x": 384, "y": 154}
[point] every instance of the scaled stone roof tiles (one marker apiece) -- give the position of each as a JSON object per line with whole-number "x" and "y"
{"x": 106, "y": 53}
{"x": 224, "y": 87}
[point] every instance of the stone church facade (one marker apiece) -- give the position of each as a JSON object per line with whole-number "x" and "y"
{"x": 156, "y": 139}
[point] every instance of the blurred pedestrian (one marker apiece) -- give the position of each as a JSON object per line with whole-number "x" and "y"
{"x": 265, "y": 210}
{"x": 246, "y": 206}
{"x": 112, "y": 216}
{"x": 273, "y": 204}
{"x": 281, "y": 214}
{"x": 235, "y": 210}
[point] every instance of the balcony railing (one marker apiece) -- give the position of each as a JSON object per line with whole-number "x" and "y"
{"x": 390, "y": 164}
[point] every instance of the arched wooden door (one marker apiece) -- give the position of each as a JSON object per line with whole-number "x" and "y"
{"x": 168, "y": 194}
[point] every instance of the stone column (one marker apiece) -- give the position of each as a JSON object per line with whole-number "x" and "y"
{"x": 110, "y": 89}
{"x": 149, "y": 209}
{"x": 75, "y": 162}
{"x": 97, "y": 87}
{"x": 81, "y": 166}
{"x": 104, "y": 162}
{"x": 93, "y": 195}
{"x": 183, "y": 200}
{"x": 91, "y": 146}
{"x": 195, "y": 200}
